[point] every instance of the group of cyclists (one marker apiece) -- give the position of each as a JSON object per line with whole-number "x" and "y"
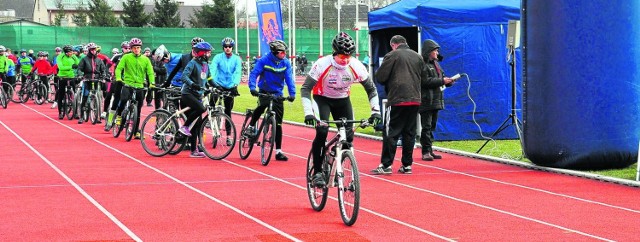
{"x": 134, "y": 70}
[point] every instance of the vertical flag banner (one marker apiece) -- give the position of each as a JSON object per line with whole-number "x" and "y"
{"x": 270, "y": 23}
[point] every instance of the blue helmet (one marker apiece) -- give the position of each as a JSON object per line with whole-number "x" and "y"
{"x": 228, "y": 41}
{"x": 203, "y": 46}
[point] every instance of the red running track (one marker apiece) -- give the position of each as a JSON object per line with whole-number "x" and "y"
{"x": 61, "y": 181}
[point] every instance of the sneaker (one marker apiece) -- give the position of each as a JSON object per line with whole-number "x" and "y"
{"x": 60, "y": 115}
{"x": 381, "y": 170}
{"x": 427, "y": 157}
{"x": 318, "y": 180}
{"x": 137, "y": 135}
{"x": 435, "y": 156}
{"x": 80, "y": 121}
{"x": 54, "y": 105}
{"x": 149, "y": 105}
{"x": 281, "y": 157}
{"x": 229, "y": 141}
{"x": 185, "y": 130}
{"x": 197, "y": 154}
{"x": 118, "y": 120}
{"x": 405, "y": 170}
{"x": 251, "y": 131}
{"x": 103, "y": 115}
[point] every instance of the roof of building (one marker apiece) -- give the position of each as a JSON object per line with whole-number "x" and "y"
{"x": 116, "y": 5}
{"x": 23, "y": 8}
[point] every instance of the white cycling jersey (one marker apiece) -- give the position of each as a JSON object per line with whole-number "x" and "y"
{"x": 334, "y": 80}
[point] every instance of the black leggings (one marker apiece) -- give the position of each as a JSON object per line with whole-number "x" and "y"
{"x": 125, "y": 95}
{"x": 193, "y": 114}
{"x": 63, "y": 82}
{"x": 278, "y": 108}
{"x": 338, "y": 108}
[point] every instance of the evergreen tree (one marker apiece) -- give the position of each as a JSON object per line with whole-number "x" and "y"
{"x": 216, "y": 15}
{"x": 101, "y": 14}
{"x": 133, "y": 14}
{"x": 57, "y": 21}
{"x": 165, "y": 14}
{"x": 80, "y": 19}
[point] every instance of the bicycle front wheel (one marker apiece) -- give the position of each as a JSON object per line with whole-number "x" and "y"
{"x": 130, "y": 125}
{"x": 69, "y": 105}
{"x": 268, "y": 140}
{"x": 317, "y": 195}
{"x": 3, "y": 99}
{"x": 40, "y": 95}
{"x": 246, "y": 140}
{"x": 217, "y": 136}
{"x": 117, "y": 129}
{"x": 15, "y": 95}
{"x": 349, "y": 189}
{"x": 94, "y": 110}
{"x": 158, "y": 133}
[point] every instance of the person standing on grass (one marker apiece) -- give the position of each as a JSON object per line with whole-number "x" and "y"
{"x": 401, "y": 74}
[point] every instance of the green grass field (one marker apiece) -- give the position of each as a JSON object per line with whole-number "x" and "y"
{"x": 507, "y": 149}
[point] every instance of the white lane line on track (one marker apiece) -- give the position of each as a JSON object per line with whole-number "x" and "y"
{"x": 336, "y": 199}
{"x": 76, "y": 186}
{"x": 500, "y": 182}
{"x": 473, "y": 203}
{"x": 274, "y": 229}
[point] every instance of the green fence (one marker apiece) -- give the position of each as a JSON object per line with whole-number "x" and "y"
{"x": 46, "y": 38}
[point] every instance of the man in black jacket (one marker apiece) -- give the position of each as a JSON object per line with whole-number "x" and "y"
{"x": 400, "y": 73}
{"x": 433, "y": 83}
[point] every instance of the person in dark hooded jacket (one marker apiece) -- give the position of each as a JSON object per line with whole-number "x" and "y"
{"x": 433, "y": 83}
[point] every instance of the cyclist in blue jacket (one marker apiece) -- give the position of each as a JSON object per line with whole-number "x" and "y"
{"x": 226, "y": 71}
{"x": 271, "y": 73}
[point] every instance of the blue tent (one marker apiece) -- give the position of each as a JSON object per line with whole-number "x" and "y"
{"x": 472, "y": 35}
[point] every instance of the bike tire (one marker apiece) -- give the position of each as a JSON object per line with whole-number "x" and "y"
{"x": 11, "y": 92}
{"x": 118, "y": 129}
{"x": 94, "y": 110}
{"x": 53, "y": 88}
{"x": 245, "y": 144}
{"x": 158, "y": 142}
{"x": 69, "y": 108}
{"x": 131, "y": 123}
{"x": 3, "y": 99}
{"x": 317, "y": 195}
{"x": 181, "y": 140}
{"x": 268, "y": 140}
{"x": 24, "y": 93}
{"x": 216, "y": 142}
{"x": 349, "y": 189}
{"x": 40, "y": 94}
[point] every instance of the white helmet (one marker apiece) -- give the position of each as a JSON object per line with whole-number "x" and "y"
{"x": 2, "y": 48}
{"x": 115, "y": 50}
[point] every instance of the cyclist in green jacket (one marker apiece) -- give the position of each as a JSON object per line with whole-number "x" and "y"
{"x": 133, "y": 69}
{"x": 67, "y": 63}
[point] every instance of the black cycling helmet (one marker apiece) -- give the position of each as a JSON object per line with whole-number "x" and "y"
{"x": 67, "y": 49}
{"x": 228, "y": 42}
{"x": 343, "y": 44}
{"x": 277, "y": 45}
{"x": 196, "y": 40}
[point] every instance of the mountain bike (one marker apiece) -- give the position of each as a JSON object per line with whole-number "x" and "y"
{"x": 340, "y": 170}
{"x": 66, "y": 105}
{"x": 217, "y": 134}
{"x": 267, "y": 127}
{"x": 94, "y": 100}
{"x": 159, "y": 132}
{"x": 33, "y": 89}
{"x": 129, "y": 117}
{"x": 5, "y": 97}
{"x": 53, "y": 87}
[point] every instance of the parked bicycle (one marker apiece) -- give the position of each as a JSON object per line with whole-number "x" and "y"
{"x": 5, "y": 96}
{"x": 340, "y": 170}
{"x": 267, "y": 127}
{"x": 32, "y": 89}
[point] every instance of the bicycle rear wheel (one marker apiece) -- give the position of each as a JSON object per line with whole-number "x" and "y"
{"x": 117, "y": 129}
{"x": 158, "y": 133}
{"x": 317, "y": 195}
{"x": 268, "y": 140}
{"x": 51, "y": 97}
{"x": 246, "y": 140}
{"x": 216, "y": 139}
{"x": 69, "y": 106}
{"x": 349, "y": 189}
{"x": 130, "y": 125}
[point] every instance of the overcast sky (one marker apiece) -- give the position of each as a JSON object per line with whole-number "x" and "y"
{"x": 241, "y": 3}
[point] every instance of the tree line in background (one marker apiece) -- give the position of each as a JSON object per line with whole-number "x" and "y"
{"x": 216, "y": 14}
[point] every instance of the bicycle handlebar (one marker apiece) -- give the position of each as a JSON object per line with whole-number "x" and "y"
{"x": 363, "y": 122}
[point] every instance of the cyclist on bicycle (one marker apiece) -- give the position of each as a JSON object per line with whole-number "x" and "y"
{"x": 160, "y": 57}
{"x": 66, "y": 65}
{"x": 4, "y": 66}
{"x": 226, "y": 71}
{"x": 92, "y": 68}
{"x": 25, "y": 64}
{"x": 114, "y": 88}
{"x": 274, "y": 71}
{"x": 330, "y": 80}
{"x": 43, "y": 68}
{"x": 195, "y": 77}
{"x": 133, "y": 70}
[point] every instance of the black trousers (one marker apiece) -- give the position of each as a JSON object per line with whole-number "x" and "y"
{"x": 278, "y": 108}
{"x": 194, "y": 114}
{"x": 428, "y": 121}
{"x": 337, "y": 108}
{"x": 401, "y": 122}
